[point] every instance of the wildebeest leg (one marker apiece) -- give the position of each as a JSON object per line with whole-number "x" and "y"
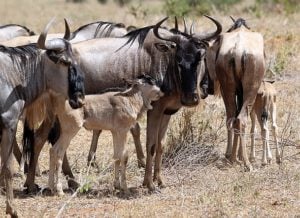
{"x": 252, "y": 133}
{"x": 58, "y": 151}
{"x": 17, "y": 152}
{"x": 274, "y": 131}
{"x": 40, "y": 139}
{"x": 228, "y": 94}
{"x": 240, "y": 125}
{"x": 264, "y": 136}
{"x": 159, "y": 150}
{"x": 121, "y": 158}
{"x": 136, "y": 134}
{"x": 154, "y": 117}
{"x": 93, "y": 148}
{"x": 6, "y": 150}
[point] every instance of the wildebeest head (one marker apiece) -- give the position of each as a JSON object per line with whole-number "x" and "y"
{"x": 59, "y": 51}
{"x": 190, "y": 50}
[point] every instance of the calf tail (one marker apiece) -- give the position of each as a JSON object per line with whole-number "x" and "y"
{"x": 54, "y": 132}
{"x": 28, "y": 141}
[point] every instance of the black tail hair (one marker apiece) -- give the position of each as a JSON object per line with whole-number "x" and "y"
{"x": 54, "y": 132}
{"x": 28, "y": 142}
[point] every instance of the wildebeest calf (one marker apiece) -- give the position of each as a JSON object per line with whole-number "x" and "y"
{"x": 114, "y": 111}
{"x": 265, "y": 108}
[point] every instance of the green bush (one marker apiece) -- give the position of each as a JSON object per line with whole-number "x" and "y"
{"x": 199, "y": 7}
{"x": 287, "y": 6}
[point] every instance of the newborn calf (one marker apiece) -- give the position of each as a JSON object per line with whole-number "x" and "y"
{"x": 114, "y": 111}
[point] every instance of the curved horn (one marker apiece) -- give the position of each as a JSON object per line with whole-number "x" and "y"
{"x": 43, "y": 35}
{"x": 192, "y": 29}
{"x": 212, "y": 35}
{"x": 67, "y": 31}
{"x": 155, "y": 31}
{"x": 185, "y": 27}
{"x": 54, "y": 44}
{"x": 233, "y": 20}
{"x": 176, "y": 24}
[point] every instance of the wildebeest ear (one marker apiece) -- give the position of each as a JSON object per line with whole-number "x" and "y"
{"x": 129, "y": 92}
{"x": 162, "y": 47}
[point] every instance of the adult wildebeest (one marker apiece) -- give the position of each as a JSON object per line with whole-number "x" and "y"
{"x": 100, "y": 29}
{"x": 236, "y": 60}
{"x": 115, "y": 111}
{"x": 10, "y": 31}
{"x": 28, "y": 73}
{"x": 171, "y": 59}
{"x": 264, "y": 109}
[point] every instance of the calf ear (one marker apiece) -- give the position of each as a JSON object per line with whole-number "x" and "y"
{"x": 162, "y": 47}
{"x": 129, "y": 92}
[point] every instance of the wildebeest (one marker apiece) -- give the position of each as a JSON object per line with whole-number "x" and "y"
{"x": 28, "y": 73}
{"x": 236, "y": 60}
{"x": 264, "y": 109}
{"x": 100, "y": 29}
{"x": 115, "y": 111}
{"x": 10, "y": 31}
{"x": 171, "y": 59}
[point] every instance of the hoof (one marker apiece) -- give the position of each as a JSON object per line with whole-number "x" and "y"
{"x": 72, "y": 184}
{"x": 117, "y": 185}
{"x": 278, "y": 160}
{"x": 248, "y": 168}
{"x": 11, "y": 211}
{"x": 32, "y": 189}
{"x": 252, "y": 159}
{"x": 162, "y": 185}
{"x": 141, "y": 163}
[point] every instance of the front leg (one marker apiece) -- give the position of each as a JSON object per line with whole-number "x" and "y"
{"x": 154, "y": 118}
{"x": 159, "y": 150}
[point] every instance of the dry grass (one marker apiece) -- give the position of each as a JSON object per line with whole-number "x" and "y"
{"x": 200, "y": 183}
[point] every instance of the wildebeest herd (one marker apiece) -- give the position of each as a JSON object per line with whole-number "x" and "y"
{"x": 103, "y": 76}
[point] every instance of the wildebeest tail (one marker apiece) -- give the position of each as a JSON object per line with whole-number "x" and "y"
{"x": 28, "y": 141}
{"x": 54, "y": 132}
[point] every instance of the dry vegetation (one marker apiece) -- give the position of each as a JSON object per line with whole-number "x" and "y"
{"x": 200, "y": 183}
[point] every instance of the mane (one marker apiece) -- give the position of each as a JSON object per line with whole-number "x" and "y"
{"x": 109, "y": 27}
{"x": 24, "y": 57}
{"x": 237, "y": 24}
{"x": 31, "y": 33}
{"x": 139, "y": 34}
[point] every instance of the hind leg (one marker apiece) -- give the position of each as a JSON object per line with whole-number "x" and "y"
{"x": 136, "y": 134}
{"x": 252, "y": 133}
{"x": 93, "y": 148}
{"x": 40, "y": 139}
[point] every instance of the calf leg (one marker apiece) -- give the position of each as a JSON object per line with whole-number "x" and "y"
{"x": 69, "y": 128}
{"x": 274, "y": 131}
{"x": 93, "y": 148}
{"x": 120, "y": 157}
{"x": 252, "y": 133}
{"x": 159, "y": 150}
{"x": 136, "y": 134}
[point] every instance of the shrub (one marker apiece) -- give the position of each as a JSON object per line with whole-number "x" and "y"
{"x": 199, "y": 7}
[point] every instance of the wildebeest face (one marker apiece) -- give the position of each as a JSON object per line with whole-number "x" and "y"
{"x": 188, "y": 56}
{"x": 75, "y": 75}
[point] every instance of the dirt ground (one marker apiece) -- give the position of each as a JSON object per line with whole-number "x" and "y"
{"x": 200, "y": 182}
